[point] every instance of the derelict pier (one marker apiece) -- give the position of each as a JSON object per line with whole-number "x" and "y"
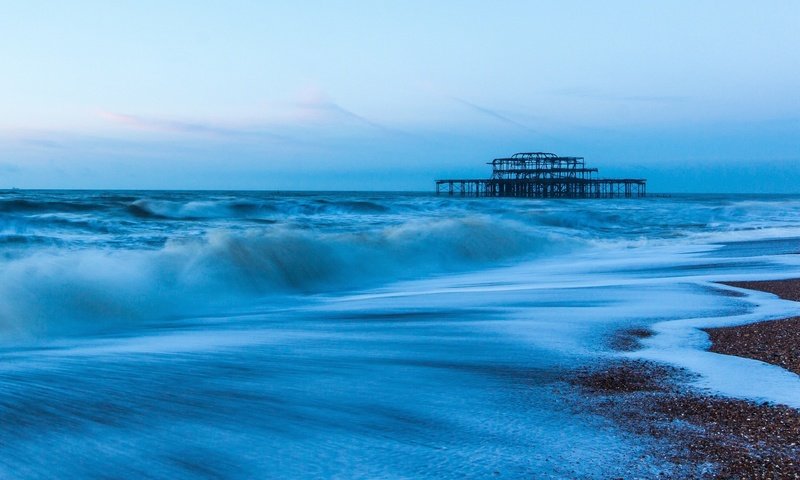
{"x": 543, "y": 175}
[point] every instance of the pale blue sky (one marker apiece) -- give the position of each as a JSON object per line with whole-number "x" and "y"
{"x": 696, "y": 96}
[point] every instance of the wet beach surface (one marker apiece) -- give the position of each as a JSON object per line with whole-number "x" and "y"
{"x": 775, "y": 341}
{"x": 700, "y": 435}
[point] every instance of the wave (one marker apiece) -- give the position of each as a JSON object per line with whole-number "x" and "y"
{"x": 62, "y": 293}
{"x": 7, "y": 239}
{"x": 195, "y": 210}
{"x": 242, "y": 209}
{"x": 16, "y": 205}
{"x": 352, "y": 206}
{"x": 141, "y": 209}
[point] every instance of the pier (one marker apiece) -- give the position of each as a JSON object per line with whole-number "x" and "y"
{"x": 543, "y": 175}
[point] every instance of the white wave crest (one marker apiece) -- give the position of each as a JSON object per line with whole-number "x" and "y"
{"x": 59, "y": 293}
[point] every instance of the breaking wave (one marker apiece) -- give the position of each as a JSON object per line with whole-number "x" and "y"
{"x": 217, "y": 209}
{"x": 52, "y": 293}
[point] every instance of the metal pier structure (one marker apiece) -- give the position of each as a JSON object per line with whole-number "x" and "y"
{"x": 543, "y": 175}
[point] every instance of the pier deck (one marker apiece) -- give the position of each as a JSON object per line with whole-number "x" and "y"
{"x": 595, "y": 188}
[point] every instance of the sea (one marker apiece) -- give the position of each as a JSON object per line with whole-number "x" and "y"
{"x": 241, "y": 335}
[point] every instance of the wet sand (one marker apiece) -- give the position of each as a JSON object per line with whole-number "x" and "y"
{"x": 786, "y": 289}
{"x": 702, "y": 436}
{"x": 776, "y": 342}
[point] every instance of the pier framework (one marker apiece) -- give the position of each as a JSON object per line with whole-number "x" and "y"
{"x": 543, "y": 175}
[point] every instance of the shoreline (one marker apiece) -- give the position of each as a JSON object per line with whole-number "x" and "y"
{"x": 704, "y": 435}
{"x": 771, "y": 341}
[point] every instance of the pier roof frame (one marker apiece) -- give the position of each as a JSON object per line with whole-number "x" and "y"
{"x": 533, "y": 155}
{"x": 537, "y": 158}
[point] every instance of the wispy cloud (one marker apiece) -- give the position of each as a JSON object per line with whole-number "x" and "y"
{"x": 599, "y": 95}
{"x": 494, "y": 114}
{"x": 42, "y": 142}
{"x": 36, "y": 138}
{"x": 162, "y": 125}
{"x": 320, "y": 106}
{"x": 311, "y": 110}
{"x": 9, "y": 168}
{"x": 491, "y": 113}
{"x": 186, "y": 127}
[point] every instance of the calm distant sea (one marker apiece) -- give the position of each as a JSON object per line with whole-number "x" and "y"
{"x": 347, "y": 335}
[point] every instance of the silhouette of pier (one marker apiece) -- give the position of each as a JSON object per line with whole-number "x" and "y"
{"x": 543, "y": 175}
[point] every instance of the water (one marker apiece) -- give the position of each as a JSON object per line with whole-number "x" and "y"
{"x": 364, "y": 335}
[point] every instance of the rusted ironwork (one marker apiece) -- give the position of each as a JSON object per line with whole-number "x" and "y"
{"x": 543, "y": 175}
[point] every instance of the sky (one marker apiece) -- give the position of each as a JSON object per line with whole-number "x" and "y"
{"x": 695, "y": 96}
